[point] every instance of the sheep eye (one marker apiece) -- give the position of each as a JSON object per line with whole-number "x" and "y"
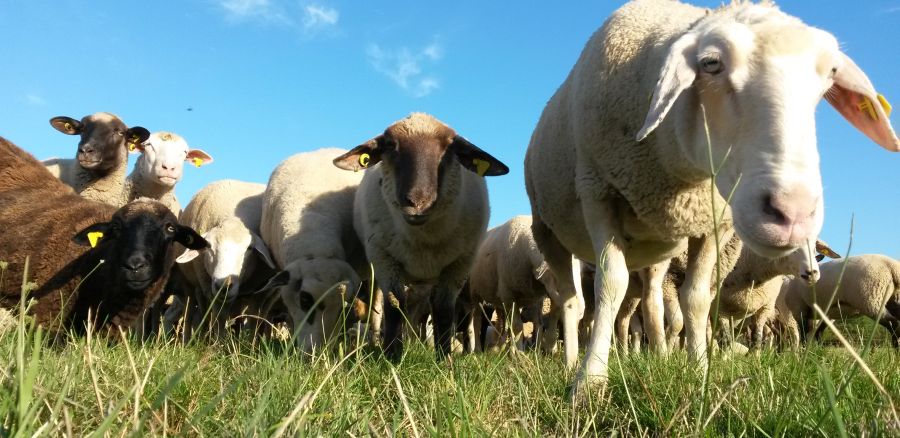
{"x": 306, "y": 301}
{"x": 711, "y": 65}
{"x": 833, "y": 71}
{"x": 170, "y": 228}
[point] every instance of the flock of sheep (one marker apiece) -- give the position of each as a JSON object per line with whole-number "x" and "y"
{"x": 626, "y": 213}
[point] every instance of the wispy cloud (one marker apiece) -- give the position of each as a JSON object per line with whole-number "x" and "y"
{"x": 35, "y": 100}
{"x": 407, "y": 68}
{"x": 892, "y": 10}
{"x": 310, "y": 18}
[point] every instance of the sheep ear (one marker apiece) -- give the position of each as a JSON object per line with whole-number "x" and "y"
{"x": 281, "y": 278}
{"x": 855, "y": 98}
{"x": 92, "y": 235}
{"x": 475, "y": 159}
{"x": 823, "y": 249}
{"x": 362, "y": 156}
{"x": 187, "y": 255}
{"x": 198, "y": 157}
{"x": 66, "y": 125}
{"x": 257, "y": 243}
{"x": 190, "y": 238}
{"x": 137, "y": 134}
{"x": 678, "y": 73}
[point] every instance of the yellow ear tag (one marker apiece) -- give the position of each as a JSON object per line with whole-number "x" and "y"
{"x": 197, "y": 161}
{"x": 364, "y": 160}
{"x": 481, "y": 166}
{"x": 131, "y": 147}
{"x": 866, "y": 107}
{"x": 68, "y": 126}
{"x": 94, "y": 237}
{"x": 885, "y": 105}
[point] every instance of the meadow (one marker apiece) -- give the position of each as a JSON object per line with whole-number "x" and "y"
{"x": 90, "y": 386}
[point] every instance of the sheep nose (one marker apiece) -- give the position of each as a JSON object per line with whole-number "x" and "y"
{"x": 811, "y": 276}
{"x": 87, "y": 149}
{"x": 136, "y": 262}
{"x": 791, "y": 213}
{"x": 166, "y": 167}
{"x": 221, "y": 284}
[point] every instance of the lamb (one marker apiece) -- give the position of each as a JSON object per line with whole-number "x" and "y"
{"x": 307, "y": 222}
{"x": 228, "y": 214}
{"x": 640, "y": 187}
{"x": 160, "y": 167}
{"x": 420, "y": 214}
{"x": 98, "y": 170}
{"x": 113, "y": 281}
{"x": 867, "y": 284}
{"x": 510, "y": 273}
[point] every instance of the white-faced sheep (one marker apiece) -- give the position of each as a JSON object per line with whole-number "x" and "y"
{"x": 228, "y": 214}
{"x": 160, "y": 167}
{"x": 98, "y": 170}
{"x": 618, "y": 168}
{"x": 866, "y": 284}
{"x": 123, "y": 270}
{"x": 307, "y": 222}
{"x": 421, "y": 213}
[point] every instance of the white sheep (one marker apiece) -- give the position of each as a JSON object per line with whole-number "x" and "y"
{"x": 420, "y": 214}
{"x": 98, "y": 170}
{"x": 866, "y": 284}
{"x": 510, "y": 273}
{"x": 614, "y": 176}
{"x": 307, "y": 222}
{"x": 228, "y": 214}
{"x": 160, "y": 167}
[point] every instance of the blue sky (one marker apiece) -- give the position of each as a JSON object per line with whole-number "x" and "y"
{"x": 266, "y": 79}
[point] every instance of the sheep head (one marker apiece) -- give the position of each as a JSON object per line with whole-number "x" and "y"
{"x": 163, "y": 157}
{"x": 104, "y": 140}
{"x": 420, "y": 155}
{"x": 754, "y": 75}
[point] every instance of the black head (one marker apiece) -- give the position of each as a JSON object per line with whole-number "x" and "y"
{"x": 105, "y": 139}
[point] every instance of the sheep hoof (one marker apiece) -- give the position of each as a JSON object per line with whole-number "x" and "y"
{"x": 588, "y": 389}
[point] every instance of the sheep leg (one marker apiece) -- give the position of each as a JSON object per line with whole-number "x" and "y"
{"x": 394, "y": 303}
{"x": 674, "y": 319}
{"x": 695, "y": 297}
{"x": 652, "y": 305}
{"x": 443, "y": 314}
{"x": 566, "y": 298}
{"x": 636, "y": 333}
{"x": 548, "y": 330}
{"x": 477, "y": 325}
{"x": 623, "y": 322}
{"x": 376, "y": 316}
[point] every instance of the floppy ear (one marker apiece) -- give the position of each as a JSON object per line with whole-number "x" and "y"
{"x": 475, "y": 159}
{"x": 257, "y": 244}
{"x": 281, "y": 278}
{"x": 187, "y": 255}
{"x": 823, "y": 249}
{"x": 855, "y": 98}
{"x": 66, "y": 125}
{"x": 190, "y": 238}
{"x": 92, "y": 235}
{"x": 678, "y": 73}
{"x": 137, "y": 135}
{"x": 198, "y": 157}
{"x": 362, "y": 156}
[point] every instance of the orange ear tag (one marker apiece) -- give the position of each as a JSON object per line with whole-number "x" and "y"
{"x": 94, "y": 237}
{"x": 481, "y": 166}
{"x": 364, "y": 160}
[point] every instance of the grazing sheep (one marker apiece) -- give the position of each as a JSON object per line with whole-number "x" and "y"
{"x": 113, "y": 281}
{"x": 510, "y": 273}
{"x": 98, "y": 170}
{"x": 618, "y": 168}
{"x": 307, "y": 222}
{"x": 160, "y": 167}
{"x": 866, "y": 284}
{"x": 420, "y": 215}
{"x": 228, "y": 214}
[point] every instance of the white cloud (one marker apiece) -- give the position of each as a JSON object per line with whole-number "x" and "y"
{"x": 405, "y": 68}
{"x": 317, "y": 17}
{"x": 247, "y": 9}
{"x": 35, "y": 100}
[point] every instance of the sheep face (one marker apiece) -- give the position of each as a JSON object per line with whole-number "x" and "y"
{"x": 754, "y": 76}
{"x": 164, "y": 154}
{"x": 105, "y": 140}
{"x": 420, "y": 156}
{"x": 316, "y": 295}
{"x": 138, "y": 240}
{"x": 233, "y": 251}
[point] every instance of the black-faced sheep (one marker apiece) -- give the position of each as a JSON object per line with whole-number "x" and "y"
{"x": 420, "y": 214}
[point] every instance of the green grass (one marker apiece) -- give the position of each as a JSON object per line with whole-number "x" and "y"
{"x": 165, "y": 388}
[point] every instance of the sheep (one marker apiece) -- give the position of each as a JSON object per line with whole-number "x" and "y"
{"x": 510, "y": 273}
{"x": 867, "y": 284}
{"x": 420, "y": 215}
{"x": 113, "y": 281}
{"x": 618, "y": 167}
{"x": 228, "y": 214}
{"x": 160, "y": 167}
{"x": 98, "y": 170}
{"x": 307, "y": 222}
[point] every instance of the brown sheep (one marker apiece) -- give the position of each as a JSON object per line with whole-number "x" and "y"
{"x": 123, "y": 271}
